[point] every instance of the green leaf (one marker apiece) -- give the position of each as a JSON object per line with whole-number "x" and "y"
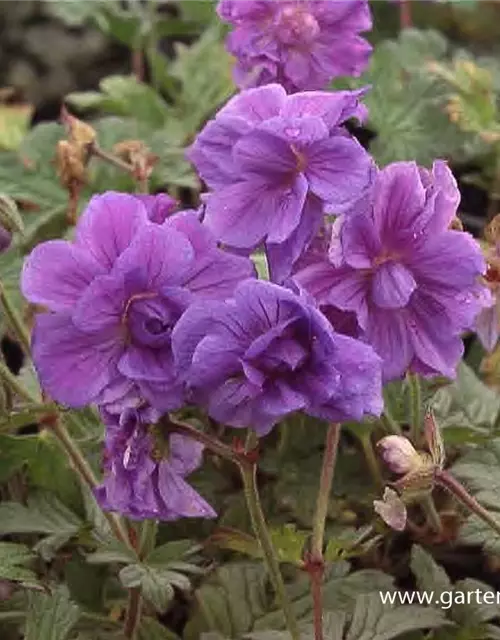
{"x": 203, "y": 69}
{"x": 151, "y": 629}
{"x": 201, "y": 11}
{"x": 371, "y": 620}
{"x": 466, "y": 408}
{"x": 430, "y": 576}
{"x": 50, "y": 617}
{"x": 170, "y": 552}
{"x": 406, "y": 103}
{"x": 11, "y": 263}
{"x": 111, "y": 552}
{"x": 125, "y": 96}
{"x": 13, "y": 561}
{"x": 236, "y": 599}
{"x": 85, "y": 582}
{"x": 14, "y": 123}
{"x": 46, "y": 466}
{"x": 157, "y": 584}
{"x": 43, "y": 514}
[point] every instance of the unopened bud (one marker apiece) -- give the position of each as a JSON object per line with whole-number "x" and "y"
{"x": 391, "y": 509}
{"x": 10, "y": 218}
{"x": 398, "y": 454}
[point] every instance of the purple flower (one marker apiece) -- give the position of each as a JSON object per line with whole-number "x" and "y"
{"x": 273, "y": 162}
{"x": 114, "y": 295}
{"x": 412, "y": 282}
{"x": 146, "y": 480}
{"x": 266, "y": 353}
{"x": 300, "y": 44}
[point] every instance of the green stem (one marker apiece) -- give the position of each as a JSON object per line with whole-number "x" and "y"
{"x": 432, "y": 514}
{"x": 14, "y": 385}
{"x": 249, "y": 476}
{"x": 87, "y": 476}
{"x": 446, "y": 480}
{"x": 15, "y": 321}
{"x": 371, "y": 459}
{"x": 415, "y": 407}
{"x": 389, "y": 424}
{"x": 149, "y": 529}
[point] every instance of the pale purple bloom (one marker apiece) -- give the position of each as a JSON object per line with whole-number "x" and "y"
{"x": 114, "y": 295}
{"x": 412, "y": 282}
{"x": 301, "y": 44}
{"x": 144, "y": 479}
{"x": 268, "y": 352}
{"x": 273, "y": 162}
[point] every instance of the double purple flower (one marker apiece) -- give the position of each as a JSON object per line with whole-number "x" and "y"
{"x": 114, "y": 296}
{"x": 144, "y": 477}
{"x": 412, "y": 282}
{"x": 274, "y": 162}
{"x": 266, "y": 353}
{"x": 302, "y": 44}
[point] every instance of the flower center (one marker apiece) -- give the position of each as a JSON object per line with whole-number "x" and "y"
{"x": 297, "y": 26}
{"x": 148, "y": 319}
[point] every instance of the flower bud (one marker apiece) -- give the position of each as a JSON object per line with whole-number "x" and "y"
{"x": 398, "y": 454}
{"x": 391, "y": 509}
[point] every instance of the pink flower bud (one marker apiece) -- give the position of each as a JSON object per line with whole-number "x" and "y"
{"x": 398, "y": 454}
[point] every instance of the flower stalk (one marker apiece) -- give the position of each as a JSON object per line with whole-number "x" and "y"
{"x": 415, "y": 407}
{"x": 246, "y": 461}
{"x": 449, "y": 482}
{"x": 15, "y": 322}
{"x": 315, "y": 563}
{"x": 86, "y": 474}
{"x": 248, "y": 472}
{"x": 14, "y": 385}
{"x": 133, "y": 613}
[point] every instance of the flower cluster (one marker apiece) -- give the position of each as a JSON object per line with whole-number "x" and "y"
{"x": 274, "y": 161}
{"x": 148, "y": 310}
{"x": 302, "y": 44}
{"x": 113, "y": 297}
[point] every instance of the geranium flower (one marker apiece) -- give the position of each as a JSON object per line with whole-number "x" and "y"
{"x": 274, "y": 161}
{"x": 144, "y": 480}
{"x": 302, "y": 44}
{"x": 266, "y": 353}
{"x": 114, "y": 295}
{"x": 411, "y": 280}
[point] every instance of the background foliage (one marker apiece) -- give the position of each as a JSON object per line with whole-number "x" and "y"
{"x": 434, "y": 93}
